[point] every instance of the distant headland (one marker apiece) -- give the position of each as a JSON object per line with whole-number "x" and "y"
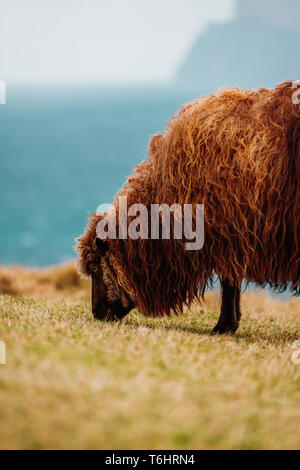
{"x": 260, "y": 47}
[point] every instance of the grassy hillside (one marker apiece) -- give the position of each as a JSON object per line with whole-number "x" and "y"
{"x": 72, "y": 382}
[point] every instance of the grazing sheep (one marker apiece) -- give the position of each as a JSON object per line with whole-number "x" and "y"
{"x": 236, "y": 152}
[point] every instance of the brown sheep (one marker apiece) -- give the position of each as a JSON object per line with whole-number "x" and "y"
{"x": 238, "y": 153}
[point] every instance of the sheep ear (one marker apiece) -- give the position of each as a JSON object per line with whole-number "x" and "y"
{"x": 102, "y": 246}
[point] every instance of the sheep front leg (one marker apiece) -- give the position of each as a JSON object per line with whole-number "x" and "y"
{"x": 230, "y": 309}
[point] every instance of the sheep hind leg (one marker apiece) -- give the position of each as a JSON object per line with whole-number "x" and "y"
{"x": 230, "y": 309}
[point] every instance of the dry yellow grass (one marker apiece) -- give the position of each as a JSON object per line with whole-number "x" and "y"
{"x": 52, "y": 282}
{"x": 71, "y": 382}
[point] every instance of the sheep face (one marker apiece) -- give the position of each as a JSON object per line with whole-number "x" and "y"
{"x": 103, "y": 307}
{"x": 108, "y": 303}
{"x": 99, "y": 296}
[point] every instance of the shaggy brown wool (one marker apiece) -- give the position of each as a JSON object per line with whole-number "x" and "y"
{"x": 238, "y": 153}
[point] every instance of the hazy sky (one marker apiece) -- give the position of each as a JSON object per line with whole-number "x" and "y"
{"x": 100, "y": 40}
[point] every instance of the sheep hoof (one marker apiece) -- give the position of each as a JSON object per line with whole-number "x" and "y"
{"x": 224, "y": 329}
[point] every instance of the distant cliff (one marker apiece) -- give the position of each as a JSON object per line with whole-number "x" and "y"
{"x": 261, "y": 47}
{"x": 275, "y": 12}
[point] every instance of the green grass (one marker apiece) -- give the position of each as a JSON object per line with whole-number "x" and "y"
{"x": 72, "y": 382}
